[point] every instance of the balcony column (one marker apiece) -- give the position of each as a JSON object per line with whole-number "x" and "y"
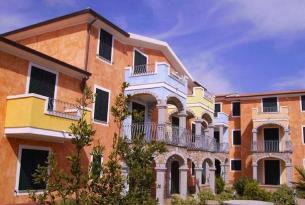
{"x": 125, "y": 174}
{"x": 212, "y": 178}
{"x": 287, "y": 139}
{"x": 198, "y": 134}
{"x": 288, "y": 167}
{"x": 183, "y": 181}
{"x": 221, "y": 128}
{"x": 160, "y": 184}
{"x": 198, "y": 174}
{"x": 162, "y": 111}
{"x": 254, "y": 170}
{"x": 254, "y": 140}
{"x": 211, "y": 138}
{"x": 224, "y": 172}
{"x": 182, "y": 125}
{"x": 127, "y": 124}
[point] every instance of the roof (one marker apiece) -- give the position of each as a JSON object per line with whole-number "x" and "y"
{"x": 77, "y": 13}
{"x": 70, "y": 67}
{"x": 260, "y": 94}
{"x": 129, "y": 38}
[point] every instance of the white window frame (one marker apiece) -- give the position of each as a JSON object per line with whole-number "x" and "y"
{"x": 102, "y": 161}
{"x": 233, "y": 145}
{"x": 302, "y": 134}
{"x": 232, "y": 109}
{"x": 301, "y": 103}
{"x": 42, "y": 68}
{"x": 18, "y": 167}
{"x": 236, "y": 159}
{"x": 98, "y": 47}
{"x": 277, "y": 101}
{"x": 134, "y": 56}
{"x": 220, "y": 103}
{"x": 93, "y": 109}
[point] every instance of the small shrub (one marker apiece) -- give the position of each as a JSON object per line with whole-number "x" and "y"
{"x": 205, "y": 195}
{"x": 253, "y": 192}
{"x": 283, "y": 196}
{"x": 219, "y": 185}
{"x": 240, "y": 184}
{"x": 177, "y": 200}
{"x": 225, "y": 196}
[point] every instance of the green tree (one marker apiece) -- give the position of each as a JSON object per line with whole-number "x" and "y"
{"x": 61, "y": 185}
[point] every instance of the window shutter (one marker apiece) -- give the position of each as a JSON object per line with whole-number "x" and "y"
{"x": 42, "y": 82}
{"x": 303, "y": 102}
{"x": 236, "y": 137}
{"x": 30, "y": 160}
{"x": 101, "y": 105}
{"x": 236, "y": 165}
{"x": 236, "y": 108}
{"x": 304, "y": 135}
{"x": 105, "y": 47}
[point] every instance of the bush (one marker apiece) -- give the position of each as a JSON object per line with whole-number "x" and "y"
{"x": 177, "y": 200}
{"x": 253, "y": 192}
{"x": 205, "y": 195}
{"x": 219, "y": 185}
{"x": 241, "y": 183}
{"x": 225, "y": 196}
{"x": 283, "y": 196}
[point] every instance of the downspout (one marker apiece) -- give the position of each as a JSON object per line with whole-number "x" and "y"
{"x": 87, "y": 51}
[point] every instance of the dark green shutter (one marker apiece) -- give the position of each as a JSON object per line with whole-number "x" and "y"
{"x": 217, "y": 109}
{"x": 303, "y": 102}
{"x": 101, "y": 105}
{"x": 236, "y": 137}
{"x": 30, "y": 159}
{"x": 236, "y": 108}
{"x": 140, "y": 63}
{"x": 105, "y": 49}
{"x": 270, "y": 104}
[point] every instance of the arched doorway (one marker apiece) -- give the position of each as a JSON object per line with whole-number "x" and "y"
{"x": 207, "y": 163}
{"x": 175, "y": 179}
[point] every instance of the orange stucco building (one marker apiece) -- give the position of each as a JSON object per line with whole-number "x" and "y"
{"x": 42, "y": 71}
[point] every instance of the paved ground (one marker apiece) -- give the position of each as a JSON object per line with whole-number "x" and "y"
{"x": 246, "y": 202}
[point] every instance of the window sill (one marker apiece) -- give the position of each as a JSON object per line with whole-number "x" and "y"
{"x": 100, "y": 122}
{"x": 109, "y": 62}
{"x": 26, "y": 193}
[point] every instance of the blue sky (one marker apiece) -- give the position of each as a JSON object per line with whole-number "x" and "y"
{"x": 228, "y": 45}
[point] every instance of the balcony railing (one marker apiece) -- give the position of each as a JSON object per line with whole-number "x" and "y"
{"x": 63, "y": 109}
{"x": 267, "y": 146}
{"x": 145, "y": 69}
{"x": 173, "y": 135}
{"x": 270, "y": 109}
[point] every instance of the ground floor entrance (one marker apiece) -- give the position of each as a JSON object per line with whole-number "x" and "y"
{"x": 272, "y": 172}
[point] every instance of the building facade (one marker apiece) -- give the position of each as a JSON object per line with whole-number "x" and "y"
{"x": 43, "y": 68}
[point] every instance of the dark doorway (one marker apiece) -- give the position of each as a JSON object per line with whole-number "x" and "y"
{"x": 216, "y": 136}
{"x": 272, "y": 172}
{"x": 175, "y": 177}
{"x": 271, "y": 139}
{"x": 218, "y": 168}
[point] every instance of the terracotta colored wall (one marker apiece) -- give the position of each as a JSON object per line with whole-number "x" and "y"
{"x": 244, "y": 123}
{"x": 66, "y": 44}
{"x": 13, "y": 78}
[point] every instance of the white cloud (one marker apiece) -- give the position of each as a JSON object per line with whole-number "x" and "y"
{"x": 211, "y": 73}
{"x": 296, "y": 81}
{"x": 269, "y": 18}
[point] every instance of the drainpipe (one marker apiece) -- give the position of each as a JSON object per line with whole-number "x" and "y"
{"x": 83, "y": 83}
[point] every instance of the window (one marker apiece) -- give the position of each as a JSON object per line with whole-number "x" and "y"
{"x": 270, "y": 104}
{"x": 105, "y": 46}
{"x": 193, "y": 169}
{"x": 101, "y": 105}
{"x": 236, "y": 137}
{"x": 235, "y": 108}
{"x": 217, "y": 109}
{"x": 303, "y": 137}
{"x": 29, "y": 161}
{"x": 193, "y": 132}
{"x": 235, "y": 165}
{"x": 96, "y": 168}
{"x": 140, "y": 62}
{"x": 303, "y": 102}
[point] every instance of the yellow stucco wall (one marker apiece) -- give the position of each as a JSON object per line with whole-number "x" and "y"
{"x": 30, "y": 112}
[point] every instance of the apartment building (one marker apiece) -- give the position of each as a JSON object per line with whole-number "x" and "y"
{"x": 266, "y": 135}
{"x": 43, "y": 68}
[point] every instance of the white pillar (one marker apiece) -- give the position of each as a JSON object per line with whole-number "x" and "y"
{"x": 224, "y": 172}
{"x": 198, "y": 174}
{"x": 221, "y": 146}
{"x": 160, "y": 184}
{"x": 254, "y": 140}
{"x": 162, "y": 111}
{"x": 254, "y": 170}
{"x": 198, "y": 134}
{"x": 212, "y": 179}
{"x": 289, "y": 174}
{"x": 287, "y": 140}
{"x": 182, "y": 125}
{"x": 183, "y": 181}
{"x": 125, "y": 174}
{"x": 211, "y": 131}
